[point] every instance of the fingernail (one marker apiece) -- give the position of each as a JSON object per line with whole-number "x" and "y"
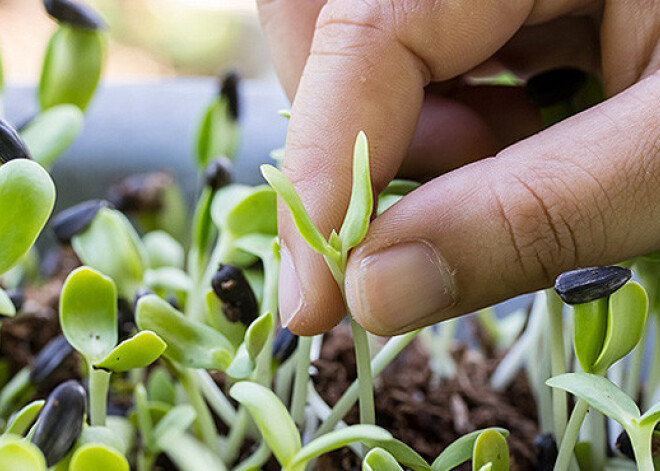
{"x": 290, "y": 294}
{"x": 401, "y": 285}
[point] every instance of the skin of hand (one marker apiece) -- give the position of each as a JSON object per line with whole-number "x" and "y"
{"x": 506, "y": 207}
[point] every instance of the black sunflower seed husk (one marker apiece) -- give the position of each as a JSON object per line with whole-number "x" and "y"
{"x": 555, "y": 86}
{"x": 588, "y": 284}
{"x": 75, "y": 14}
{"x": 17, "y": 297}
{"x": 60, "y": 421}
{"x": 76, "y": 219}
{"x": 140, "y": 192}
{"x": 229, "y": 91}
{"x": 11, "y": 145}
{"x": 545, "y": 447}
{"x": 624, "y": 445}
{"x": 238, "y": 300}
{"x": 218, "y": 173}
{"x": 125, "y": 318}
{"x": 284, "y": 345}
{"x": 49, "y": 359}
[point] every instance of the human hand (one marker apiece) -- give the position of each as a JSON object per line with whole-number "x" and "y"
{"x": 583, "y": 192}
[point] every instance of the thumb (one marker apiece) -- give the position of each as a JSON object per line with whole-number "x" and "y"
{"x": 581, "y": 193}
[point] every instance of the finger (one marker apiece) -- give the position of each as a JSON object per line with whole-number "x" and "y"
{"x": 289, "y": 27}
{"x": 584, "y": 192}
{"x": 367, "y": 70}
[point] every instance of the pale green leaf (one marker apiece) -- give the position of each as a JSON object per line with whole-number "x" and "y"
{"x": 7, "y": 307}
{"x": 242, "y": 212}
{"x": 163, "y": 250}
{"x": 96, "y": 457}
{"x": 52, "y": 132}
{"x": 19, "y": 455}
{"x": 190, "y": 455}
{"x": 218, "y": 133}
{"x": 189, "y": 342}
{"x": 257, "y": 334}
{"x": 356, "y": 223}
{"x": 242, "y": 365}
{"x": 600, "y": 393}
{"x": 401, "y": 452}
{"x": 272, "y": 418}
{"x": 20, "y": 421}
{"x": 88, "y": 313}
{"x": 160, "y": 386}
{"x": 173, "y": 424}
{"x": 380, "y": 460}
{"x": 27, "y": 196}
{"x": 169, "y": 279}
{"x": 139, "y": 351}
{"x": 589, "y": 331}
{"x": 304, "y": 223}
{"x": 491, "y": 448}
{"x": 459, "y": 451}
{"x": 101, "y": 435}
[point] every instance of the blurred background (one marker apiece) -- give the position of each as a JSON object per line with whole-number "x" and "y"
{"x": 164, "y": 57}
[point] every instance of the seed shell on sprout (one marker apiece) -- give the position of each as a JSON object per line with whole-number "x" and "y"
{"x": 284, "y": 345}
{"x": 588, "y": 284}
{"x": 624, "y": 445}
{"x": 75, "y": 14}
{"x": 60, "y": 421}
{"x": 218, "y": 173}
{"x": 555, "y": 86}
{"x": 49, "y": 359}
{"x": 11, "y": 144}
{"x": 545, "y": 447}
{"x": 238, "y": 300}
{"x": 17, "y": 297}
{"x": 140, "y": 192}
{"x": 229, "y": 91}
{"x": 76, "y": 219}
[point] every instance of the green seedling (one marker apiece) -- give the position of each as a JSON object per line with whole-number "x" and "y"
{"x": 380, "y": 460}
{"x": 74, "y": 57}
{"x": 490, "y": 451}
{"x": 19, "y": 455}
{"x": 96, "y": 456}
{"x": 280, "y": 432}
{"x": 163, "y": 250}
{"x": 27, "y": 196}
{"x": 110, "y": 245}
{"x": 461, "y": 450}
{"x": 88, "y": 316}
{"x": 52, "y": 132}
{"x": 335, "y": 249}
{"x": 160, "y": 387}
{"x": 20, "y": 421}
{"x": 218, "y": 133}
{"x": 393, "y": 193}
{"x": 603, "y": 395}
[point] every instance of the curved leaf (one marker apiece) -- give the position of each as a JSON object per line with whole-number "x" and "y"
{"x": 163, "y": 250}
{"x": 27, "y": 196}
{"x": 189, "y": 342}
{"x": 401, "y": 452}
{"x": 460, "y": 450}
{"x": 589, "y": 331}
{"x": 190, "y": 455}
{"x": 19, "y": 455}
{"x": 88, "y": 313}
{"x": 257, "y": 334}
{"x": 97, "y": 457}
{"x": 242, "y": 212}
{"x": 52, "y": 132}
{"x": 272, "y": 418}
{"x": 380, "y": 460}
{"x": 139, "y": 351}
{"x": 20, "y": 421}
{"x": 218, "y": 133}
{"x": 174, "y": 423}
{"x": 7, "y": 307}
{"x": 490, "y": 448}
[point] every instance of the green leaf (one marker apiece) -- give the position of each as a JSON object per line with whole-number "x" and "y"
{"x": 163, "y": 250}
{"x": 600, "y": 393}
{"x": 7, "y": 307}
{"x": 260, "y": 245}
{"x": 401, "y": 452}
{"x": 176, "y": 421}
{"x": 111, "y": 246}
{"x": 242, "y": 365}
{"x": 72, "y": 67}
{"x": 652, "y": 415}
{"x": 27, "y": 196}
{"x": 337, "y": 439}
{"x": 627, "y": 313}
{"x": 356, "y": 223}
{"x": 20, "y": 421}
{"x": 589, "y": 331}
{"x": 52, "y": 132}
{"x": 218, "y": 133}
{"x": 189, "y": 342}
{"x": 240, "y": 213}
{"x": 139, "y": 351}
{"x": 96, "y": 457}
{"x": 284, "y": 113}
{"x": 487, "y": 467}
{"x": 491, "y": 448}
{"x": 160, "y": 386}
{"x": 271, "y": 417}
{"x": 19, "y": 455}
{"x": 169, "y": 279}
{"x": 190, "y": 455}
{"x": 380, "y": 460}
{"x": 88, "y": 313}
{"x": 97, "y": 434}
{"x": 144, "y": 417}
{"x": 460, "y": 450}
{"x": 304, "y": 223}
{"x": 257, "y": 334}
{"x": 233, "y": 331}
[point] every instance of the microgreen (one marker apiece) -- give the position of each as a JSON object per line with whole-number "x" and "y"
{"x": 18, "y": 455}
{"x": 379, "y": 460}
{"x": 20, "y": 421}
{"x": 490, "y": 449}
{"x": 96, "y": 456}
{"x": 460, "y": 451}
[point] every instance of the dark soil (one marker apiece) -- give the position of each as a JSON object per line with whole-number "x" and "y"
{"x": 424, "y": 414}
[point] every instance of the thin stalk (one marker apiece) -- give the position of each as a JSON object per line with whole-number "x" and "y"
{"x": 215, "y": 397}
{"x": 205, "y": 422}
{"x": 571, "y": 436}
{"x": 236, "y": 436}
{"x": 635, "y": 367}
{"x": 146, "y": 461}
{"x": 557, "y": 360}
{"x": 263, "y": 373}
{"x": 387, "y": 354}
{"x": 654, "y": 371}
{"x": 299, "y": 399}
{"x": 256, "y": 460}
{"x": 641, "y": 444}
{"x": 365, "y": 379}
{"x": 596, "y": 426}
{"x": 284, "y": 379}
{"x": 99, "y": 383}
